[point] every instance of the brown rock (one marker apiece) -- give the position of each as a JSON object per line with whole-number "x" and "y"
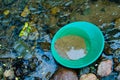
{"x": 107, "y": 49}
{"x": 25, "y": 12}
{"x": 45, "y": 46}
{"x": 104, "y": 68}
{"x": 89, "y": 76}
{"x": 55, "y": 10}
{"x": 65, "y": 74}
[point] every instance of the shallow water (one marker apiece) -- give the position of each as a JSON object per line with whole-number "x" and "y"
{"x": 47, "y": 17}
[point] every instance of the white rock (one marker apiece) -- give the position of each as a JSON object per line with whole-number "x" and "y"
{"x": 104, "y": 68}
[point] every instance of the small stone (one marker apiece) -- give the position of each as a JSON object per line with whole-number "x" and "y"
{"x": 117, "y": 23}
{"x": 9, "y": 73}
{"x": 104, "y": 68}
{"x": 6, "y": 12}
{"x": 55, "y": 10}
{"x": 65, "y": 74}
{"x": 118, "y": 68}
{"x": 89, "y": 76}
{"x": 25, "y": 12}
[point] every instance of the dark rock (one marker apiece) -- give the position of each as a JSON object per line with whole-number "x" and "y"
{"x": 107, "y": 49}
{"x": 45, "y": 46}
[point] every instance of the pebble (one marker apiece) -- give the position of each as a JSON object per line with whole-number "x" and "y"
{"x": 117, "y": 23}
{"x": 65, "y": 74}
{"x": 6, "y": 12}
{"x": 55, "y": 10}
{"x": 25, "y": 12}
{"x": 45, "y": 46}
{"x": 104, "y": 68}
{"x": 89, "y": 76}
{"x": 9, "y": 73}
{"x": 118, "y": 68}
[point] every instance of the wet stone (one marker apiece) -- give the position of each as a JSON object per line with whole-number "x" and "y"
{"x": 104, "y": 68}
{"x": 107, "y": 49}
{"x": 65, "y": 74}
{"x": 25, "y": 12}
{"x": 55, "y": 10}
{"x": 89, "y": 76}
{"x": 9, "y": 74}
{"x": 45, "y": 46}
{"x": 6, "y": 12}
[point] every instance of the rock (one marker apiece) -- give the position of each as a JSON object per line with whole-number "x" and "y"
{"x": 107, "y": 49}
{"x": 104, "y": 68}
{"x": 55, "y": 10}
{"x": 45, "y": 46}
{"x": 117, "y": 23}
{"x": 65, "y": 74}
{"x": 118, "y": 68}
{"x": 9, "y": 73}
{"x": 89, "y": 76}
{"x": 25, "y": 12}
{"x": 6, "y": 12}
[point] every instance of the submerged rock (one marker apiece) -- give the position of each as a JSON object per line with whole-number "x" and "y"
{"x": 104, "y": 68}
{"x": 25, "y": 12}
{"x": 89, "y": 76}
